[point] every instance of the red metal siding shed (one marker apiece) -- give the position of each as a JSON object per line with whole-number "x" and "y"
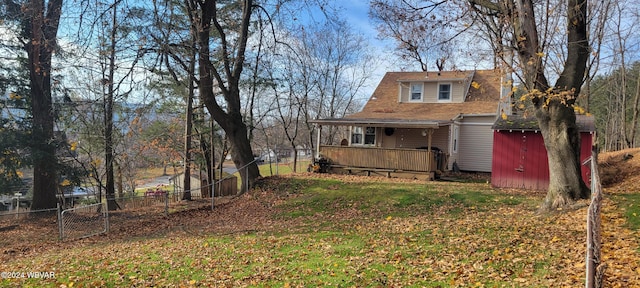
{"x": 520, "y": 158}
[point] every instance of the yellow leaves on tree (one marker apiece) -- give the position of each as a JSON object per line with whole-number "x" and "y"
{"x": 14, "y": 96}
{"x": 73, "y": 146}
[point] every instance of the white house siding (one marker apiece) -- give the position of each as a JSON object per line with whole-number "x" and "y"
{"x": 475, "y": 144}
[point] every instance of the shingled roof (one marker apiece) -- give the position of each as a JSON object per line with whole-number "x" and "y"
{"x": 383, "y": 107}
{"x": 384, "y": 104}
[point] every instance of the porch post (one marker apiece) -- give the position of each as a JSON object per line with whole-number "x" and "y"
{"x": 318, "y": 142}
{"x": 429, "y": 139}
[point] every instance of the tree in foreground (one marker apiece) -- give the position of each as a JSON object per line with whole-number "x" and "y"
{"x": 41, "y": 35}
{"x": 554, "y": 104}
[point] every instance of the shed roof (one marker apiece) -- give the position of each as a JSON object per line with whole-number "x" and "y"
{"x": 515, "y": 122}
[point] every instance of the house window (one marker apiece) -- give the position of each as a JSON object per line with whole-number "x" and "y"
{"x": 370, "y": 136}
{"x": 416, "y": 92}
{"x": 366, "y": 136}
{"x": 356, "y": 135}
{"x": 444, "y": 92}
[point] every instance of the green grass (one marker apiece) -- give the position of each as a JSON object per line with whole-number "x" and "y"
{"x": 400, "y": 199}
{"x": 269, "y": 169}
{"x": 282, "y": 168}
{"x": 631, "y": 205}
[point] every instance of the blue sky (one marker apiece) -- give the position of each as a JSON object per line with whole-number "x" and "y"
{"x": 356, "y": 13}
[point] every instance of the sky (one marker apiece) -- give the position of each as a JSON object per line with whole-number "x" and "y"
{"x": 356, "y": 13}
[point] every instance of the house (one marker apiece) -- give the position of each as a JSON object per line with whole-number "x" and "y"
{"x": 417, "y": 123}
{"x": 520, "y": 157}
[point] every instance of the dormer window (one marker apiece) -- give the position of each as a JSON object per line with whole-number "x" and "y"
{"x": 416, "y": 92}
{"x": 444, "y": 92}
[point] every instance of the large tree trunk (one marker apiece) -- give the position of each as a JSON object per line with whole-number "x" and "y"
{"x": 557, "y": 119}
{"x": 562, "y": 141}
{"x": 43, "y": 33}
{"x": 241, "y": 153}
{"x": 554, "y": 109}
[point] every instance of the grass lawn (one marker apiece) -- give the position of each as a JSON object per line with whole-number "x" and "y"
{"x": 283, "y": 168}
{"x": 303, "y": 231}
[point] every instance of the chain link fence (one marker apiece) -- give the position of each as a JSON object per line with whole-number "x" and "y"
{"x": 85, "y": 221}
{"x": 93, "y": 219}
{"x": 21, "y": 213}
{"x": 595, "y": 266}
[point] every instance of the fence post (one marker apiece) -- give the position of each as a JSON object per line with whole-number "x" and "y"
{"x": 59, "y": 212}
{"x": 166, "y": 204}
{"x": 594, "y": 268}
{"x": 106, "y": 217}
{"x": 213, "y": 191}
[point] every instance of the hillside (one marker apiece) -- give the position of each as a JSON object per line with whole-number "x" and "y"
{"x": 620, "y": 170}
{"x": 620, "y": 177}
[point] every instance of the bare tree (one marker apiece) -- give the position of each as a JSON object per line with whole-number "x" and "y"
{"x": 425, "y": 31}
{"x": 623, "y": 32}
{"x": 333, "y": 65}
{"x": 120, "y": 42}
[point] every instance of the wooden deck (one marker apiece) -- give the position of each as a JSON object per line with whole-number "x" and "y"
{"x": 381, "y": 159}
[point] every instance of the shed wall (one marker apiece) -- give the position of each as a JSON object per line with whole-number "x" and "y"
{"x": 520, "y": 160}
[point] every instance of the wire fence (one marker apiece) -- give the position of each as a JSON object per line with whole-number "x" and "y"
{"x": 21, "y": 213}
{"x": 85, "y": 221}
{"x": 595, "y": 268}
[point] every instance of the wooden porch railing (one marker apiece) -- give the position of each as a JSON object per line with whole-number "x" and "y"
{"x": 414, "y": 160}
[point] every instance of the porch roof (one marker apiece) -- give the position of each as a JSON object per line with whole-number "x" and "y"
{"x": 390, "y": 123}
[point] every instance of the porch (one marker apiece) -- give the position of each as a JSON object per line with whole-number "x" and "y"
{"x": 386, "y": 161}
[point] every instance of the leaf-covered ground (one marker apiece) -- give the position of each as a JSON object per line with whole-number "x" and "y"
{"x": 322, "y": 230}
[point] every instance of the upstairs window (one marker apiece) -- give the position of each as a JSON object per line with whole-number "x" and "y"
{"x": 416, "y": 92}
{"x": 444, "y": 92}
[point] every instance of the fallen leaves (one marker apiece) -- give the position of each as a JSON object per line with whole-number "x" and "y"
{"x": 243, "y": 243}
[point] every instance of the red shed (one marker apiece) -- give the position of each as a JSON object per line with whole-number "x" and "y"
{"x": 519, "y": 155}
